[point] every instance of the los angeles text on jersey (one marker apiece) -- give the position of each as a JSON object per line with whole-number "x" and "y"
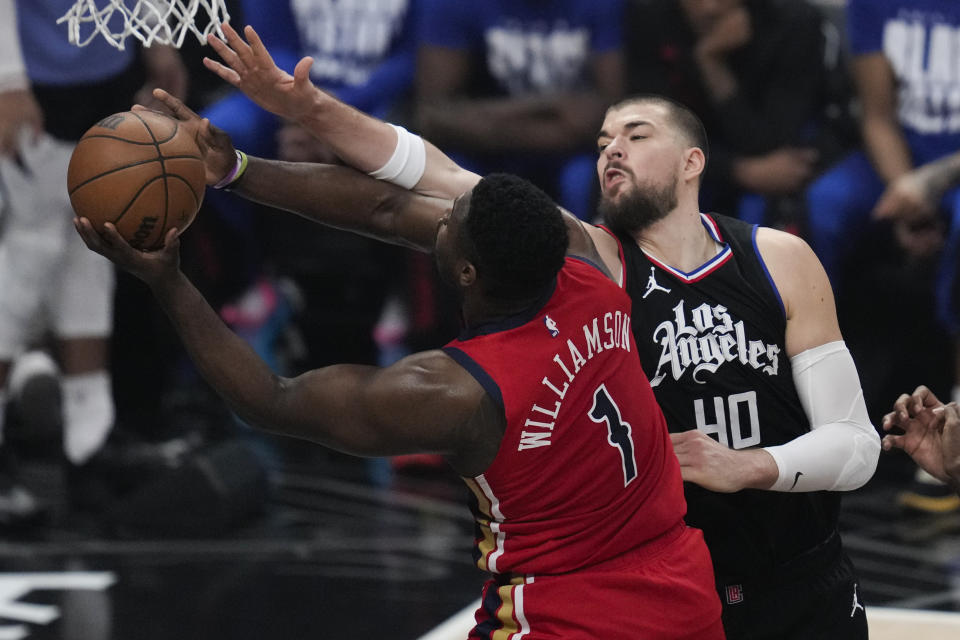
{"x": 610, "y": 331}
{"x": 708, "y": 340}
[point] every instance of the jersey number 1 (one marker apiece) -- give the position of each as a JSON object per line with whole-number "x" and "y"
{"x": 620, "y": 436}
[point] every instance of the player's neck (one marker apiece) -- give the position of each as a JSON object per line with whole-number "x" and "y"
{"x": 679, "y": 240}
{"x": 478, "y": 310}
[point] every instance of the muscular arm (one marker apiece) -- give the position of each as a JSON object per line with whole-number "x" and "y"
{"x": 842, "y": 448}
{"x": 344, "y": 198}
{"x": 424, "y": 403}
{"x": 804, "y": 288}
{"x": 358, "y": 139}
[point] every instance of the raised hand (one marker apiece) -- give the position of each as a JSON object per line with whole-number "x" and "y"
{"x": 250, "y": 68}
{"x": 219, "y": 156}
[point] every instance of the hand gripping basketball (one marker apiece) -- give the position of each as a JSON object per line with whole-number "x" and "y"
{"x": 141, "y": 170}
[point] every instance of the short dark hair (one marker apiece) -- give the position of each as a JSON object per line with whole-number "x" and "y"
{"x": 515, "y": 236}
{"x": 686, "y": 121}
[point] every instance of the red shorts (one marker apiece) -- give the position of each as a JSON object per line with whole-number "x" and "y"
{"x": 666, "y": 593}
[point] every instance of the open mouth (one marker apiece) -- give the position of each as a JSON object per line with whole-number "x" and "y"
{"x": 612, "y": 178}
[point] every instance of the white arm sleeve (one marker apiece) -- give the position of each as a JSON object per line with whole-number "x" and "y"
{"x": 13, "y": 73}
{"x": 408, "y": 162}
{"x": 842, "y": 449}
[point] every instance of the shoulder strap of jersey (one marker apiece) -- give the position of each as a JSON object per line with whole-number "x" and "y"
{"x": 623, "y": 259}
{"x": 478, "y": 372}
{"x": 742, "y": 237}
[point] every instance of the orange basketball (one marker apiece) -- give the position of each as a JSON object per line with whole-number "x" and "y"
{"x": 141, "y": 171}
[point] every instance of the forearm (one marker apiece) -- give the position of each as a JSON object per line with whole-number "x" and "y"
{"x": 757, "y": 469}
{"x": 344, "y": 198}
{"x": 886, "y": 147}
{"x": 366, "y": 143}
{"x": 841, "y": 451}
{"x": 224, "y": 360}
{"x": 940, "y": 175}
{"x": 833, "y": 457}
{"x": 358, "y": 139}
{"x": 319, "y": 405}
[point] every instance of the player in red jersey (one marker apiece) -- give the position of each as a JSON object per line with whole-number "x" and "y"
{"x": 578, "y": 496}
{"x": 735, "y": 326}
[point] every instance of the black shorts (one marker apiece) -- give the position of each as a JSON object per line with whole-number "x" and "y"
{"x": 817, "y": 598}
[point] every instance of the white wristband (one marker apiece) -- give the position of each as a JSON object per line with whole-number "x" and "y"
{"x": 408, "y": 162}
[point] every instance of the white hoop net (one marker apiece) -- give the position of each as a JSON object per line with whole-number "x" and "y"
{"x": 149, "y": 21}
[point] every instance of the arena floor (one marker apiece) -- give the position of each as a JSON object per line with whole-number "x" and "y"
{"x": 333, "y": 556}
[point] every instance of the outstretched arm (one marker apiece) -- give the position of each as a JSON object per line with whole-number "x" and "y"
{"x": 357, "y": 138}
{"x": 424, "y": 403}
{"x": 345, "y": 198}
{"x": 336, "y": 196}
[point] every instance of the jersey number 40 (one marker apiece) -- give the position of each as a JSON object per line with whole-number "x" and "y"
{"x": 733, "y": 432}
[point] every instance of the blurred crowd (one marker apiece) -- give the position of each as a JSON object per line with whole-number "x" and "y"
{"x": 837, "y": 121}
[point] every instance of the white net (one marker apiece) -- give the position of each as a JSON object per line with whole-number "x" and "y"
{"x": 149, "y": 21}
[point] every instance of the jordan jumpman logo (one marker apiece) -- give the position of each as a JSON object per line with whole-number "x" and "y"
{"x": 652, "y": 284}
{"x": 856, "y": 602}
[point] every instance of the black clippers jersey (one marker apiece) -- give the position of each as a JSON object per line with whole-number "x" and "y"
{"x": 712, "y": 343}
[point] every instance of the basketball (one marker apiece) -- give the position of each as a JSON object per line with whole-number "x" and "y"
{"x": 141, "y": 171}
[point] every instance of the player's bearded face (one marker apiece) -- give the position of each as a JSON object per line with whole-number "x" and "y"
{"x": 637, "y": 208}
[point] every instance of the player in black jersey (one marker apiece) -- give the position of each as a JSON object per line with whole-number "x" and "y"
{"x": 930, "y": 434}
{"x": 747, "y": 361}
{"x": 736, "y": 328}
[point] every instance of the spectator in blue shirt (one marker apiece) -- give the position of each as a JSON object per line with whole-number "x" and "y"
{"x": 907, "y": 74}
{"x": 521, "y": 85}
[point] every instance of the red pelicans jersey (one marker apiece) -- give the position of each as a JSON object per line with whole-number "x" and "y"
{"x": 585, "y": 471}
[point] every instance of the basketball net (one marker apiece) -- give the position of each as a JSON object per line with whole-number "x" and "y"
{"x": 149, "y": 21}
